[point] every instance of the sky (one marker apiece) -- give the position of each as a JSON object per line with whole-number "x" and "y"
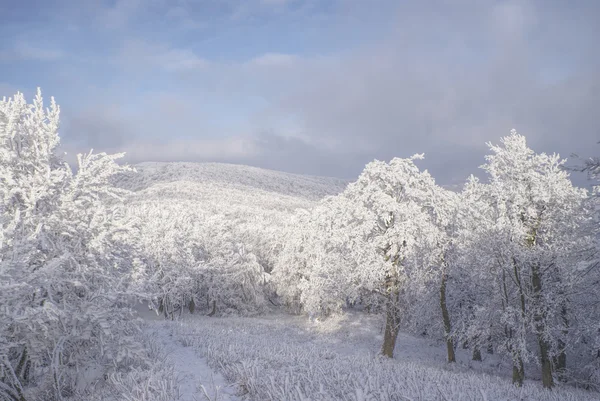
{"x": 316, "y": 87}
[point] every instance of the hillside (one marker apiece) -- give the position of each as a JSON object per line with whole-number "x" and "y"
{"x": 231, "y": 176}
{"x": 218, "y": 226}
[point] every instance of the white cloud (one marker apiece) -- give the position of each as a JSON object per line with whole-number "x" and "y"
{"x": 24, "y": 51}
{"x": 180, "y": 59}
{"x": 444, "y": 80}
{"x": 274, "y": 60}
{"x": 221, "y": 149}
{"x": 233, "y": 149}
{"x": 138, "y": 54}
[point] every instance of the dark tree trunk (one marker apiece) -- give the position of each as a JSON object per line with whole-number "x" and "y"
{"x": 518, "y": 372}
{"x": 214, "y": 308}
{"x": 490, "y": 346}
{"x": 539, "y": 318}
{"x": 446, "y": 319}
{"x": 547, "y": 379}
{"x": 476, "y": 354}
{"x": 518, "y": 367}
{"x": 560, "y": 362}
{"x": 163, "y": 307}
{"x": 392, "y": 323}
{"x": 192, "y": 306}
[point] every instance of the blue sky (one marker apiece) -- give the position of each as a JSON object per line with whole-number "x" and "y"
{"x": 316, "y": 87}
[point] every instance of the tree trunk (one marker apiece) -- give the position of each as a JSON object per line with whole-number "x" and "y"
{"x": 192, "y": 306}
{"x": 518, "y": 372}
{"x": 539, "y": 315}
{"x": 539, "y": 318}
{"x": 490, "y": 346}
{"x": 214, "y": 308}
{"x": 560, "y": 362}
{"x": 519, "y": 368}
{"x": 476, "y": 354}
{"x": 392, "y": 323}
{"x": 446, "y": 319}
{"x": 547, "y": 379}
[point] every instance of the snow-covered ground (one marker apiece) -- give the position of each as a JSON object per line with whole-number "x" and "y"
{"x": 232, "y": 176}
{"x": 283, "y": 357}
{"x": 196, "y": 380}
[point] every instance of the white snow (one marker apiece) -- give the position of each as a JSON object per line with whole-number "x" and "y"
{"x": 232, "y": 176}
{"x": 283, "y": 357}
{"x": 191, "y": 370}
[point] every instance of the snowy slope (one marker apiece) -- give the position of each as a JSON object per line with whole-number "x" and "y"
{"x": 232, "y": 176}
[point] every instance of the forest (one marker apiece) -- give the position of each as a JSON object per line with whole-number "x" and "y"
{"x": 506, "y": 270}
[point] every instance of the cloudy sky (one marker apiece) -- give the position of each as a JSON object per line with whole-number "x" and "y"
{"x": 310, "y": 86}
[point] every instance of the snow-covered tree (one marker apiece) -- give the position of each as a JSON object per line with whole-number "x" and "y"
{"x": 371, "y": 240}
{"x": 444, "y": 207}
{"x": 534, "y": 244}
{"x": 469, "y": 281}
{"x": 485, "y": 306}
{"x": 61, "y": 242}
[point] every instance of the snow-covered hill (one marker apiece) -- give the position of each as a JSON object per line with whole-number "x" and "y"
{"x": 232, "y": 176}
